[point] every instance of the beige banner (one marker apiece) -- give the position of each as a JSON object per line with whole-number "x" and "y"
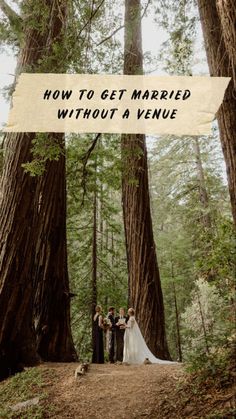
{"x": 82, "y": 103}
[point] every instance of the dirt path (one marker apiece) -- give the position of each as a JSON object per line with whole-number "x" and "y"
{"x": 132, "y": 392}
{"x": 113, "y": 391}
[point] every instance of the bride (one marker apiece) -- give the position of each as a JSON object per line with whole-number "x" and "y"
{"x": 135, "y": 348}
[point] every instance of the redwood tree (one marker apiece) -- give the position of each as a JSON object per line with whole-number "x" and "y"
{"x": 43, "y": 27}
{"x": 219, "y": 33}
{"x": 52, "y": 299}
{"x": 227, "y": 14}
{"x": 145, "y": 293}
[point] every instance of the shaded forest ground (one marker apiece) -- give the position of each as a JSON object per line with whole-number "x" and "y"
{"x": 114, "y": 391}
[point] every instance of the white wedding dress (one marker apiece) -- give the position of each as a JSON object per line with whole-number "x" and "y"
{"x": 135, "y": 348}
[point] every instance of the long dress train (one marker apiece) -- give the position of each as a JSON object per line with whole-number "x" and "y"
{"x": 135, "y": 348}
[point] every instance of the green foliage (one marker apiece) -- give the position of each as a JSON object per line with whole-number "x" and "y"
{"x": 206, "y": 325}
{"x": 194, "y": 235}
{"x": 178, "y": 19}
{"x": 217, "y": 367}
{"x": 11, "y": 28}
{"x": 45, "y": 148}
{"x": 101, "y": 177}
{"x": 98, "y": 52}
{"x": 208, "y": 339}
{"x": 22, "y": 387}
{"x": 36, "y": 15}
{"x": 90, "y": 47}
{"x": 185, "y": 248}
{"x": 221, "y": 256}
{"x": 8, "y": 37}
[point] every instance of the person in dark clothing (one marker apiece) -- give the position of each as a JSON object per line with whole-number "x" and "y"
{"x": 120, "y": 331}
{"x": 111, "y": 317}
{"x": 98, "y": 348}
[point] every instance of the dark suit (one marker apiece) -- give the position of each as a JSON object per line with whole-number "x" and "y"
{"x": 120, "y": 339}
{"x": 112, "y": 338}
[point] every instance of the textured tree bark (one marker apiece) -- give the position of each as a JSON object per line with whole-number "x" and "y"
{"x": 227, "y": 14}
{"x": 145, "y": 293}
{"x": 52, "y": 300}
{"x": 17, "y": 338}
{"x": 18, "y": 222}
{"x": 220, "y": 64}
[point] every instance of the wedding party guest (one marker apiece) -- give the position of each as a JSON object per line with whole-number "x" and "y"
{"x": 111, "y": 317}
{"x": 120, "y": 321}
{"x": 98, "y": 349}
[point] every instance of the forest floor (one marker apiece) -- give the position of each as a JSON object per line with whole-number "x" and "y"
{"x": 120, "y": 391}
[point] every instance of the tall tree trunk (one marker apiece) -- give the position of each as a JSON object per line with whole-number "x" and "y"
{"x": 94, "y": 265}
{"x": 221, "y": 65}
{"x": 17, "y": 337}
{"x": 19, "y": 193}
{"x": 227, "y": 13}
{"x": 145, "y": 293}
{"x": 52, "y": 300}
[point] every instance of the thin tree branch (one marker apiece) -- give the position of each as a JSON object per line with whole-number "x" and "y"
{"x": 145, "y": 8}
{"x": 77, "y": 320}
{"x": 107, "y": 266}
{"x": 85, "y": 159}
{"x": 122, "y": 26}
{"x": 111, "y": 35}
{"x": 91, "y": 17}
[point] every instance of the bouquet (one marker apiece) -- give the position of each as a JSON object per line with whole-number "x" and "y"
{"x": 121, "y": 322}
